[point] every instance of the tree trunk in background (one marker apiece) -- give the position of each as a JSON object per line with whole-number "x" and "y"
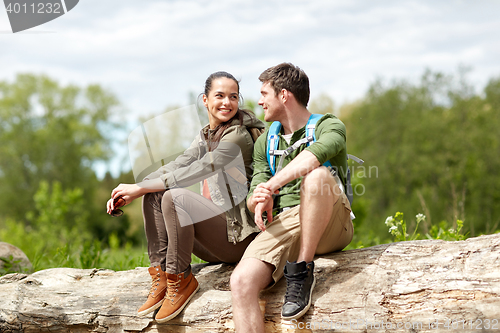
{"x": 413, "y": 286}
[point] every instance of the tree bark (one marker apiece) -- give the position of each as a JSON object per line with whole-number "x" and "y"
{"x": 418, "y": 286}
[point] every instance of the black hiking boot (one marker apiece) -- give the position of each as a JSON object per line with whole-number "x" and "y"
{"x": 299, "y": 286}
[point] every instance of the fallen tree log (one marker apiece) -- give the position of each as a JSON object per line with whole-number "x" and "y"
{"x": 417, "y": 286}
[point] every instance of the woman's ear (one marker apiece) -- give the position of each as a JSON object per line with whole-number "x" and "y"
{"x": 205, "y": 101}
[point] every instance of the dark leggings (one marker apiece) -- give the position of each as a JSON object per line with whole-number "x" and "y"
{"x": 179, "y": 222}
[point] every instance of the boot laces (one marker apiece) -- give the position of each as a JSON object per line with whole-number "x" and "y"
{"x": 172, "y": 289}
{"x": 294, "y": 286}
{"x": 154, "y": 285}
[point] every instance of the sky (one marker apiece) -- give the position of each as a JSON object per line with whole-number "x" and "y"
{"x": 152, "y": 54}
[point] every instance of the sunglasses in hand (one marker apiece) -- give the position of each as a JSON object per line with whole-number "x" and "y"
{"x": 117, "y": 202}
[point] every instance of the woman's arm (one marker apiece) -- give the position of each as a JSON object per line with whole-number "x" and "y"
{"x": 130, "y": 192}
{"x": 181, "y": 173}
{"x": 187, "y": 157}
{"x": 229, "y": 148}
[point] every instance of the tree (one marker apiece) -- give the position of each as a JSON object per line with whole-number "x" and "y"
{"x": 435, "y": 145}
{"x": 52, "y": 133}
{"x": 322, "y": 104}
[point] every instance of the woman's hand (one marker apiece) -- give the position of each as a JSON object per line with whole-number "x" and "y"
{"x": 127, "y": 192}
{"x": 112, "y": 206}
{"x": 130, "y": 192}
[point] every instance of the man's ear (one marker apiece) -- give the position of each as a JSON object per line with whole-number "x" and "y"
{"x": 284, "y": 95}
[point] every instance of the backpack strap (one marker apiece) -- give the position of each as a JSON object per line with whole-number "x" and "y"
{"x": 355, "y": 159}
{"x": 273, "y": 140}
{"x": 310, "y": 138}
{"x": 349, "y": 192}
{"x": 272, "y": 144}
{"x": 310, "y": 131}
{"x": 311, "y": 125}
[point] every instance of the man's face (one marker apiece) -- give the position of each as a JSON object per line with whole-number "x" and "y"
{"x": 272, "y": 104}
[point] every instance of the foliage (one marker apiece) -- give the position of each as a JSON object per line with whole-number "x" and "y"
{"x": 56, "y": 235}
{"x": 322, "y": 104}
{"x": 50, "y": 132}
{"x": 442, "y": 231}
{"x": 398, "y": 228}
{"x": 119, "y": 258}
{"x": 55, "y": 225}
{"x": 9, "y": 265}
{"x": 128, "y": 227}
{"x": 363, "y": 240}
{"x": 430, "y": 146}
{"x": 435, "y": 145}
{"x": 254, "y": 106}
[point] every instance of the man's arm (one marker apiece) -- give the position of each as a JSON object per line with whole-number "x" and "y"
{"x": 300, "y": 166}
{"x": 262, "y": 201}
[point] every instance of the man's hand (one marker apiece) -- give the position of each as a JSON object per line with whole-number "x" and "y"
{"x": 260, "y": 208}
{"x": 262, "y": 201}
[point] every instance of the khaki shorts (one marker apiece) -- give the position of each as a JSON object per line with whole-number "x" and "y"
{"x": 281, "y": 240}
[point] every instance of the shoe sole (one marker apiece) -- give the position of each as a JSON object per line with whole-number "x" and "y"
{"x": 151, "y": 309}
{"x": 173, "y": 315}
{"x": 303, "y": 312}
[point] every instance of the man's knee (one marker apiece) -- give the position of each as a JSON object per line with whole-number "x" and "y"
{"x": 240, "y": 283}
{"x": 237, "y": 282}
{"x": 318, "y": 174}
{"x": 249, "y": 277}
{"x": 319, "y": 182}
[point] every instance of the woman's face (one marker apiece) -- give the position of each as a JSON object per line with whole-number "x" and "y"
{"x": 222, "y": 101}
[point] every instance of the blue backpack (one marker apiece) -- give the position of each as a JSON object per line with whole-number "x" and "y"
{"x": 310, "y": 138}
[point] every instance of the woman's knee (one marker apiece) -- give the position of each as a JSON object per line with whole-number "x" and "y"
{"x": 153, "y": 199}
{"x": 179, "y": 196}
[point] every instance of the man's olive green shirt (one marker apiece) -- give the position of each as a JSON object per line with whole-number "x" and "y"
{"x": 330, "y": 145}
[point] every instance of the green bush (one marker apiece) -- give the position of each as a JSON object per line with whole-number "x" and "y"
{"x": 55, "y": 229}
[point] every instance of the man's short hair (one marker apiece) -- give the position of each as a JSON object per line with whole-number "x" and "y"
{"x": 289, "y": 77}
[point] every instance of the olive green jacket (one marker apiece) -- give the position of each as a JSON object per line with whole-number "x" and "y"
{"x": 228, "y": 170}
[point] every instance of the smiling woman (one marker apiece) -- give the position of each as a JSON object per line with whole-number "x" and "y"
{"x": 221, "y": 99}
{"x": 216, "y": 226}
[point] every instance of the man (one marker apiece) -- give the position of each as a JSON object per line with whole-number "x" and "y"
{"x": 312, "y": 212}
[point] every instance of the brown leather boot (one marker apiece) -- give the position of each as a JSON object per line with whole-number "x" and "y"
{"x": 157, "y": 292}
{"x": 180, "y": 289}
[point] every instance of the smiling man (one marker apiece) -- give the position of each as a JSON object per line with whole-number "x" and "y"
{"x": 306, "y": 210}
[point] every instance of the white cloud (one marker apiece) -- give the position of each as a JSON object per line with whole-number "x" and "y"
{"x": 152, "y": 53}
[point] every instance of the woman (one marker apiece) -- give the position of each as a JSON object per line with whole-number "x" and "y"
{"x": 216, "y": 227}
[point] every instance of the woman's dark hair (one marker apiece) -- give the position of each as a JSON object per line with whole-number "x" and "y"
{"x": 213, "y": 141}
{"x": 218, "y": 75}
